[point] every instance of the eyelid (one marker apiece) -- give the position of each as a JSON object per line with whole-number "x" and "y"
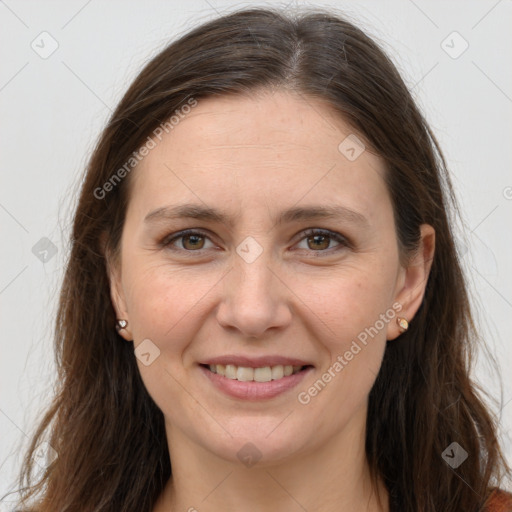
{"x": 338, "y": 237}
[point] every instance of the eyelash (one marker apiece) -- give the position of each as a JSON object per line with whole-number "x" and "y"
{"x": 344, "y": 242}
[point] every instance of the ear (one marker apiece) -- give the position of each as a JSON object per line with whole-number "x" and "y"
{"x": 116, "y": 292}
{"x": 412, "y": 280}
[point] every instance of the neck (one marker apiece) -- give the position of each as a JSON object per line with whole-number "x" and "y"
{"x": 330, "y": 477}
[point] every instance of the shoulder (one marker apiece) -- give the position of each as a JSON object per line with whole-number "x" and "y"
{"x": 499, "y": 501}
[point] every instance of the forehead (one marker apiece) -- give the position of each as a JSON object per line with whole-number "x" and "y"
{"x": 239, "y": 150}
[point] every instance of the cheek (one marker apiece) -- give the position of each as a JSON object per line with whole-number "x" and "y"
{"x": 345, "y": 303}
{"x": 349, "y": 315}
{"x": 164, "y": 307}
{"x": 163, "y": 301}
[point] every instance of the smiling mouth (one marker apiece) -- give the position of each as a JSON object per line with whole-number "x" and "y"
{"x": 263, "y": 374}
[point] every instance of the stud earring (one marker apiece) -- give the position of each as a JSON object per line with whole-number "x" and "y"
{"x": 121, "y": 324}
{"x": 403, "y": 324}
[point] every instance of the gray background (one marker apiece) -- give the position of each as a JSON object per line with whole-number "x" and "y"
{"x": 53, "y": 108}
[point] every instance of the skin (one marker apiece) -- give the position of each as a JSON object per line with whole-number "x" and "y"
{"x": 254, "y": 157}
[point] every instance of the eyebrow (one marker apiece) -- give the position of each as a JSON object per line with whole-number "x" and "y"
{"x": 199, "y": 212}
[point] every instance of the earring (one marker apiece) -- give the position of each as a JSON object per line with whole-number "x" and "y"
{"x": 121, "y": 324}
{"x": 402, "y": 323}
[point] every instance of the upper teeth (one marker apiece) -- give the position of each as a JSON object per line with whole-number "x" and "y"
{"x": 243, "y": 373}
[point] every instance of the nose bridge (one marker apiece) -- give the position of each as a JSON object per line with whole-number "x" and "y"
{"x": 254, "y": 277}
{"x": 253, "y": 299}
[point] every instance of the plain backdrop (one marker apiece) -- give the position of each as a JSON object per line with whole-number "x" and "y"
{"x": 64, "y": 67}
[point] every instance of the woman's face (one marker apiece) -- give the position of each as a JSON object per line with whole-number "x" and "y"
{"x": 258, "y": 285}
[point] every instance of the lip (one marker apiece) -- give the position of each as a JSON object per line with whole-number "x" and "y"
{"x": 255, "y": 362}
{"x": 254, "y": 390}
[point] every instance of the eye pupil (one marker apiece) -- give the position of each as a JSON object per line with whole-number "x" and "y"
{"x": 195, "y": 239}
{"x": 320, "y": 238}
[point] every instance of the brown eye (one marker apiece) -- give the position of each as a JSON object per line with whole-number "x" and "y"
{"x": 191, "y": 241}
{"x": 317, "y": 241}
{"x": 320, "y": 241}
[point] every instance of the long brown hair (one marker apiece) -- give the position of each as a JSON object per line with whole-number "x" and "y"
{"x": 106, "y": 430}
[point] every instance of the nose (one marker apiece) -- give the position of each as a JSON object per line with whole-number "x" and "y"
{"x": 255, "y": 298}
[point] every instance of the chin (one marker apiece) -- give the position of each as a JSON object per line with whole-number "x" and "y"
{"x": 259, "y": 444}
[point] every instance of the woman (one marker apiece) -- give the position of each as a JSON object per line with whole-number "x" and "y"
{"x": 263, "y": 307}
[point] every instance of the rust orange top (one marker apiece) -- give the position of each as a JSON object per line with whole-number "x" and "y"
{"x": 499, "y": 501}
